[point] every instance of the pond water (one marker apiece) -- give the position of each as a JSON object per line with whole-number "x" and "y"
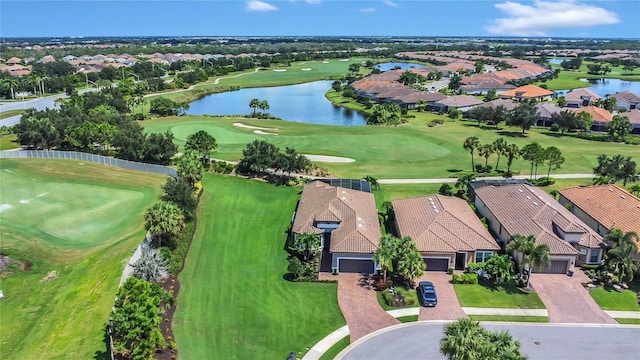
{"x": 298, "y": 103}
{"x": 604, "y": 87}
{"x": 391, "y": 65}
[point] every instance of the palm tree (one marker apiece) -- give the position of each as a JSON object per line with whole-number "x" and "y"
{"x": 623, "y": 246}
{"x": 461, "y": 339}
{"x": 264, "y": 105}
{"x": 500, "y": 148}
{"x": 512, "y": 152}
{"x": 11, "y": 82}
{"x": 254, "y": 104}
{"x": 539, "y": 258}
{"x": 307, "y": 243}
{"x": 373, "y": 182}
{"x": 409, "y": 264}
{"x": 385, "y": 254}
{"x": 164, "y": 218}
{"x": 471, "y": 144}
{"x": 635, "y": 189}
{"x": 463, "y": 182}
{"x": 485, "y": 151}
{"x": 506, "y": 347}
{"x": 500, "y": 267}
{"x": 533, "y": 256}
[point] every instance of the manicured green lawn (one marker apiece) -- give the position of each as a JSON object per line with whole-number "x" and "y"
{"x": 8, "y": 142}
{"x": 83, "y": 221}
{"x": 507, "y": 296}
{"x": 336, "y": 348}
{"x": 412, "y": 150}
{"x": 609, "y": 299}
{"x": 406, "y": 319}
{"x": 10, "y": 113}
{"x": 408, "y": 294}
{"x": 234, "y": 302}
{"x": 628, "y": 321}
{"x": 509, "y": 318}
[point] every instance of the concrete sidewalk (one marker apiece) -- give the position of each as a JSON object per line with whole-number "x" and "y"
{"x": 623, "y": 314}
{"x": 505, "y": 312}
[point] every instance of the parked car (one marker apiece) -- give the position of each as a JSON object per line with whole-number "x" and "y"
{"x": 427, "y": 293}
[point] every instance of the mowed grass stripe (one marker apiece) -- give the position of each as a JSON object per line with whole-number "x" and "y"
{"x": 64, "y": 318}
{"x": 234, "y": 302}
{"x": 413, "y": 150}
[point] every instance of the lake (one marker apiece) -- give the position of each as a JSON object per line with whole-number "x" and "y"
{"x": 403, "y": 66}
{"x": 298, "y": 103}
{"x": 604, "y": 87}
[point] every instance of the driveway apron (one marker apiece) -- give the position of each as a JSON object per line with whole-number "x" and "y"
{"x": 359, "y": 305}
{"x": 567, "y": 300}
{"x": 448, "y": 307}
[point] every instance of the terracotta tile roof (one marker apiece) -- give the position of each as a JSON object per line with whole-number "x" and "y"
{"x": 527, "y": 91}
{"x": 526, "y": 210}
{"x": 441, "y": 224}
{"x": 609, "y": 205}
{"x": 598, "y": 114}
{"x": 460, "y": 101}
{"x": 508, "y": 104}
{"x": 359, "y": 230}
{"x": 579, "y": 94}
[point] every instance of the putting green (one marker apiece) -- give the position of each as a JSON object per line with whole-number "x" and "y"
{"x": 79, "y": 221}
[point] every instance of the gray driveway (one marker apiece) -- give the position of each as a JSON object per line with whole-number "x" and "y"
{"x": 545, "y": 342}
{"x": 567, "y": 301}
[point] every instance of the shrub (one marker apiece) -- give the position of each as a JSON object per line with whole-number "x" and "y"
{"x": 450, "y": 271}
{"x": 474, "y": 267}
{"x": 388, "y": 298}
{"x": 436, "y": 122}
{"x": 295, "y": 267}
{"x": 469, "y": 278}
{"x": 555, "y": 127}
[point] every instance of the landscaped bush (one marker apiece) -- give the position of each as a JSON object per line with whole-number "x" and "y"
{"x": 436, "y": 122}
{"x": 473, "y": 267}
{"x": 221, "y": 167}
{"x": 468, "y": 278}
{"x": 543, "y": 181}
{"x": 180, "y": 244}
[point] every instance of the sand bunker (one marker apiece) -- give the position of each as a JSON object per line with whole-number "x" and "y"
{"x": 253, "y": 127}
{"x": 263, "y": 133}
{"x": 306, "y": 69}
{"x": 329, "y": 159}
{"x": 344, "y": 59}
{"x": 325, "y": 62}
{"x": 279, "y": 70}
{"x": 4, "y": 207}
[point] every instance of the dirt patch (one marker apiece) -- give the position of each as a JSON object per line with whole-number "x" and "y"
{"x": 8, "y": 265}
{"x": 52, "y": 275}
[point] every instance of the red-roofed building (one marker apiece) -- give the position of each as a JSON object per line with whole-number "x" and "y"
{"x": 527, "y": 92}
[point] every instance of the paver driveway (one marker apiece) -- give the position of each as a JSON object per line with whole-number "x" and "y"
{"x": 359, "y": 304}
{"x": 448, "y": 307}
{"x": 567, "y": 301}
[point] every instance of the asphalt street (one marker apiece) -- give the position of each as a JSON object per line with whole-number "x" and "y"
{"x": 539, "y": 341}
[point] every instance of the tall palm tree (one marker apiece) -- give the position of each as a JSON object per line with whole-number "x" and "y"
{"x": 254, "y": 104}
{"x": 385, "y": 254}
{"x": 11, "y": 82}
{"x": 533, "y": 256}
{"x": 463, "y": 182}
{"x": 512, "y": 152}
{"x": 618, "y": 258}
{"x": 485, "y": 151}
{"x": 471, "y": 144}
{"x": 539, "y": 258}
{"x": 164, "y": 218}
{"x": 500, "y": 148}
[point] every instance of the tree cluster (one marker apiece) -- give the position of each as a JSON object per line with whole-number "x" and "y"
{"x": 400, "y": 257}
{"x": 261, "y": 156}
{"x": 616, "y": 168}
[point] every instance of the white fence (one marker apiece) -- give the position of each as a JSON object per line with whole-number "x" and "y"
{"x": 81, "y": 156}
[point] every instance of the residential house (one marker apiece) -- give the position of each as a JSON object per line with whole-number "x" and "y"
{"x": 603, "y": 207}
{"x": 634, "y": 118}
{"x": 546, "y": 110}
{"x": 626, "y": 100}
{"x": 462, "y": 103}
{"x": 506, "y": 103}
{"x": 527, "y": 92}
{"x": 483, "y": 86}
{"x": 526, "y": 210}
{"x": 580, "y": 97}
{"x": 346, "y": 221}
{"x": 445, "y": 229}
{"x": 599, "y": 117}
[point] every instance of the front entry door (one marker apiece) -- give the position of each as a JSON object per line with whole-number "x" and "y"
{"x": 461, "y": 260}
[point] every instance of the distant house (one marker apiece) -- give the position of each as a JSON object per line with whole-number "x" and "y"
{"x": 626, "y": 100}
{"x": 506, "y": 103}
{"x": 446, "y": 231}
{"x": 463, "y": 103}
{"x": 580, "y": 97}
{"x": 546, "y": 110}
{"x": 603, "y": 207}
{"x": 599, "y": 117}
{"x": 346, "y": 221}
{"x": 483, "y": 86}
{"x": 634, "y": 118}
{"x": 527, "y": 92}
{"x": 527, "y": 210}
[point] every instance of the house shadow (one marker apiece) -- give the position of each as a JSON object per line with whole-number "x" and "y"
{"x": 511, "y": 133}
{"x": 454, "y": 170}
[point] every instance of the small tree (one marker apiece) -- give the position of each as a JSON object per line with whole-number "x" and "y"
{"x": 295, "y": 267}
{"x": 553, "y": 157}
{"x": 445, "y": 189}
{"x": 500, "y": 268}
{"x": 203, "y": 143}
{"x": 373, "y": 182}
{"x": 190, "y": 167}
{"x": 306, "y": 243}
{"x": 385, "y": 254}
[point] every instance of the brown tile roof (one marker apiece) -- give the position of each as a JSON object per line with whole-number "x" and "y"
{"x": 546, "y": 109}
{"x": 627, "y": 96}
{"x": 527, "y": 91}
{"x": 508, "y": 104}
{"x": 632, "y": 115}
{"x": 359, "y": 230}
{"x": 460, "y": 101}
{"x": 441, "y": 224}
{"x": 526, "y": 210}
{"x": 609, "y": 205}
{"x": 578, "y": 94}
{"x": 598, "y": 114}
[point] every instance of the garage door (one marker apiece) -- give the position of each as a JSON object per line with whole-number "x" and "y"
{"x": 436, "y": 264}
{"x": 556, "y": 267}
{"x": 355, "y": 266}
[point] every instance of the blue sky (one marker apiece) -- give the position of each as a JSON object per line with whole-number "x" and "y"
{"x": 564, "y": 18}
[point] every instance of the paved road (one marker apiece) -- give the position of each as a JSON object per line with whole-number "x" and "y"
{"x": 543, "y": 341}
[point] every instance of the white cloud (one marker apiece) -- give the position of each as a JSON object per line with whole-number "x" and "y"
{"x": 390, "y": 3}
{"x": 367, "y": 10}
{"x": 313, "y": 2}
{"x": 255, "y": 5}
{"x": 544, "y": 16}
